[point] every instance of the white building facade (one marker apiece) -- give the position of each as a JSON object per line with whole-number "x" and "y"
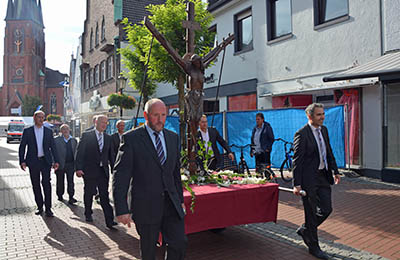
{"x": 284, "y": 49}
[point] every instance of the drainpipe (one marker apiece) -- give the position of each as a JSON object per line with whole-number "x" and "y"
{"x": 381, "y": 26}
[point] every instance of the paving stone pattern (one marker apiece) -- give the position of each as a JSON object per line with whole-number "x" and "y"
{"x": 364, "y": 225}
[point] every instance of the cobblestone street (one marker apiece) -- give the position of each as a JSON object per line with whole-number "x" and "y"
{"x": 364, "y": 225}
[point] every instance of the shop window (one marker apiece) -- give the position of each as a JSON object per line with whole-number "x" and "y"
{"x": 392, "y": 118}
{"x": 242, "y": 102}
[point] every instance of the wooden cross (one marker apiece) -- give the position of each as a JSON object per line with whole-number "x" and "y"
{"x": 193, "y": 66}
{"x": 191, "y": 26}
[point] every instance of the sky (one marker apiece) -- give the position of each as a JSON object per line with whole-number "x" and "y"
{"x": 63, "y": 21}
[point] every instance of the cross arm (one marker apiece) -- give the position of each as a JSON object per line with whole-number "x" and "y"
{"x": 212, "y": 55}
{"x": 167, "y": 46}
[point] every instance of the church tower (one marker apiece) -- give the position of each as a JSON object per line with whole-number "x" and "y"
{"x": 24, "y": 55}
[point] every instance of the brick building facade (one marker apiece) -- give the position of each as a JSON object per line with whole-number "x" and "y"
{"x": 25, "y": 71}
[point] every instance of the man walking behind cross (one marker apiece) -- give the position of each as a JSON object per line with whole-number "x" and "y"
{"x": 40, "y": 157}
{"x": 66, "y": 148}
{"x": 94, "y": 155}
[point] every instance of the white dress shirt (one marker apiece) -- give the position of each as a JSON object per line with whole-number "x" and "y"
{"x": 206, "y": 139}
{"x": 39, "y": 133}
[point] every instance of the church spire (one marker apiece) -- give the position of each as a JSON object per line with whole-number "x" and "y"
{"x": 40, "y": 13}
{"x": 10, "y": 10}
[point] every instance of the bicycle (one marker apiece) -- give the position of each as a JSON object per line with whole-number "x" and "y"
{"x": 287, "y": 162}
{"x": 265, "y": 170}
{"x": 242, "y": 165}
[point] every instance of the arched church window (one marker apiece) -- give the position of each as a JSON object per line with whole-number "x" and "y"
{"x": 97, "y": 34}
{"x": 103, "y": 30}
{"x": 91, "y": 39}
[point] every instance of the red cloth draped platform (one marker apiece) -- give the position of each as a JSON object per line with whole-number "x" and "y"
{"x": 218, "y": 207}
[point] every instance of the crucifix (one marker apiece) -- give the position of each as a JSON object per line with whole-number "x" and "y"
{"x": 193, "y": 66}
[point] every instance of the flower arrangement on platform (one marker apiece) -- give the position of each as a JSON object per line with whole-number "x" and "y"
{"x": 121, "y": 100}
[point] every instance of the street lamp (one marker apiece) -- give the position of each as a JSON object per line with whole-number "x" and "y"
{"x": 122, "y": 84}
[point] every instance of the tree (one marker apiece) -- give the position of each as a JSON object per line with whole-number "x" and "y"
{"x": 167, "y": 18}
{"x": 29, "y": 105}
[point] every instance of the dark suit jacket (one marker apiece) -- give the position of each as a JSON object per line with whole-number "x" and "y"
{"x": 266, "y": 138}
{"x": 88, "y": 155}
{"x": 306, "y": 157}
{"x": 115, "y": 142}
{"x": 215, "y": 137}
{"x": 62, "y": 149}
{"x": 29, "y": 139}
{"x": 139, "y": 168}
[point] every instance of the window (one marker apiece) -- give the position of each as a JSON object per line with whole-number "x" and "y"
{"x": 86, "y": 80}
{"x": 243, "y": 31}
{"x": 103, "y": 71}
{"x": 392, "y": 117}
{"x": 91, "y": 40}
{"x": 97, "y": 75}
{"x": 53, "y": 103}
{"x": 97, "y": 34}
{"x": 213, "y": 31}
{"x": 91, "y": 81}
{"x": 110, "y": 66}
{"x": 103, "y": 30}
{"x": 328, "y": 10}
{"x": 279, "y": 18}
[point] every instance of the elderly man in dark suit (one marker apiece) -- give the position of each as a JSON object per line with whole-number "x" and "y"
{"x": 40, "y": 157}
{"x": 210, "y": 134}
{"x": 94, "y": 155}
{"x": 116, "y": 137}
{"x": 148, "y": 166}
{"x": 313, "y": 166}
{"x": 66, "y": 148}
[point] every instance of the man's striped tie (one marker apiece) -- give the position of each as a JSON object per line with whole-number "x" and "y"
{"x": 322, "y": 147}
{"x": 160, "y": 150}
{"x": 100, "y": 141}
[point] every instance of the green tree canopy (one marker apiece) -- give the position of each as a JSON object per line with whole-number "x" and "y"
{"x": 29, "y": 105}
{"x": 167, "y": 18}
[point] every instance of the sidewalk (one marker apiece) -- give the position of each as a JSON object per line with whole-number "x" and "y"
{"x": 364, "y": 225}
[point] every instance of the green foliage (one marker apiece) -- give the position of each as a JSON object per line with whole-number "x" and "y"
{"x": 29, "y": 105}
{"x": 204, "y": 154}
{"x": 121, "y": 100}
{"x": 167, "y": 18}
{"x": 53, "y": 117}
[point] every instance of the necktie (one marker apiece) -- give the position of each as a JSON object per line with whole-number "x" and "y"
{"x": 159, "y": 148}
{"x": 100, "y": 141}
{"x": 322, "y": 147}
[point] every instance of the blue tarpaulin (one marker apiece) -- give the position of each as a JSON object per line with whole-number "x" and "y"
{"x": 284, "y": 122}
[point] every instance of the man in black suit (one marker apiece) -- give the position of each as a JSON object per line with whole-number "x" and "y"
{"x": 313, "y": 165}
{"x": 94, "y": 155}
{"x": 262, "y": 139}
{"x": 148, "y": 165}
{"x": 40, "y": 157}
{"x": 116, "y": 137}
{"x": 66, "y": 148}
{"x": 209, "y": 134}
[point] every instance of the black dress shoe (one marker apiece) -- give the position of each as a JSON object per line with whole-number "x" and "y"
{"x": 39, "y": 212}
{"x": 60, "y": 198}
{"x": 72, "y": 201}
{"x": 114, "y": 223}
{"x": 301, "y": 232}
{"x": 111, "y": 227}
{"x": 89, "y": 219}
{"x": 318, "y": 254}
{"x": 49, "y": 213}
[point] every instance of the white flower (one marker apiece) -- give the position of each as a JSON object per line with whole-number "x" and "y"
{"x": 184, "y": 177}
